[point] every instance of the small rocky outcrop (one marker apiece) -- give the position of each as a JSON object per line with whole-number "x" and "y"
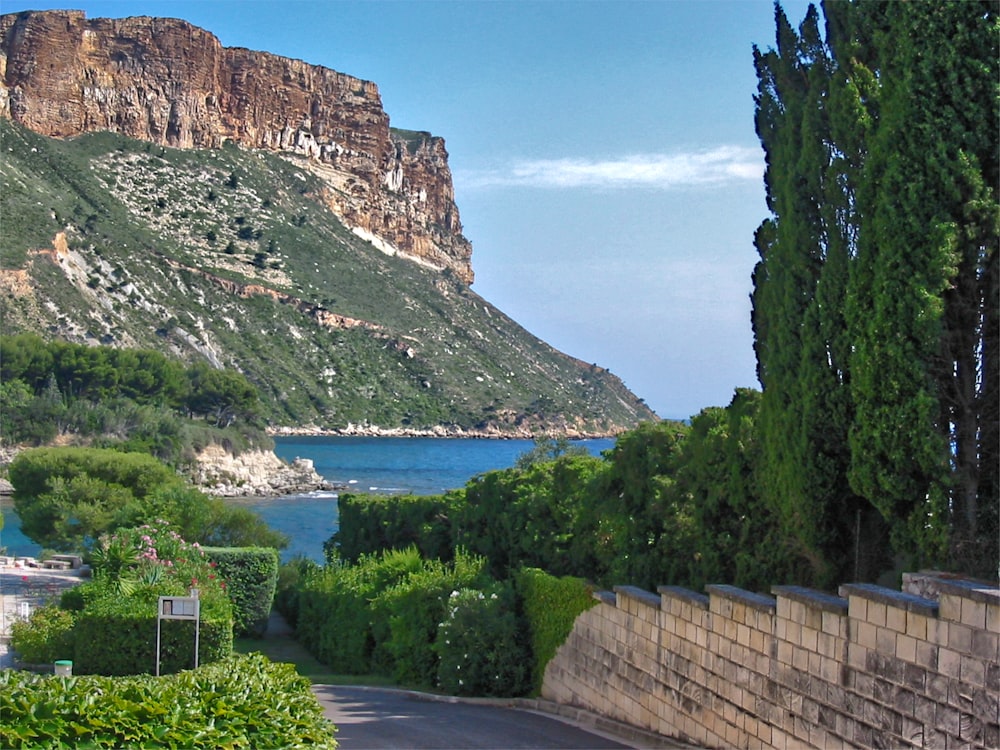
{"x": 255, "y": 473}
{"x": 174, "y": 84}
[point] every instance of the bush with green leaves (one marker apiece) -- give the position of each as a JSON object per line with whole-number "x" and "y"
{"x": 551, "y": 606}
{"x": 291, "y": 578}
{"x": 251, "y": 576}
{"x": 116, "y": 635}
{"x": 381, "y": 615}
{"x": 242, "y": 702}
{"x": 46, "y": 636}
{"x": 68, "y": 497}
{"x": 406, "y": 616}
{"x": 480, "y": 644}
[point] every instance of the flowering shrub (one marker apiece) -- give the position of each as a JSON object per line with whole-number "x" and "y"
{"x": 481, "y": 648}
{"x": 155, "y": 555}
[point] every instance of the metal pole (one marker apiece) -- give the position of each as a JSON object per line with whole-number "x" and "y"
{"x": 197, "y": 629}
{"x": 158, "y": 621}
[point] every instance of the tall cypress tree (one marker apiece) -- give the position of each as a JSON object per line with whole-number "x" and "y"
{"x": 799, "y": 288}
{"x": 920, "y": 311}
{"x": 875, "y": 303}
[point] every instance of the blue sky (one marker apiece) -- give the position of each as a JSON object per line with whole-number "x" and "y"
{"x": 605, "y": 162}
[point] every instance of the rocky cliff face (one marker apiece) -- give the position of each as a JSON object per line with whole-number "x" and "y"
{"x": 166, "y": 81}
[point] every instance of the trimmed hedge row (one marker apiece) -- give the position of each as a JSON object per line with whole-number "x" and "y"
{"x": 372, "y": 523}
{"x": 551, "y": 606}
{"x": 118, "y": 637}
{"x": 251, "y": 576}
{"x": 434, "y": 624}
{"x": 241, "y": 702}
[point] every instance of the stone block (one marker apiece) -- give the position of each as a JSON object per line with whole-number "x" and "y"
{"x": 986, "y": 706}
{"x": 885, "y": 641}
{"x": 906, "y": 647}
{"x": 947, "y": 720}
{"x": 973, "y": 613}
{"x": 973, "y": 671}
{"x": 866, "y": 635}
{"x": 993, "y": 618}
{"x": 986, "y": 645}
{"x": 993, "y": 677}
{"x": 924, "y": 710}
{"x": 903, "y": 701}
{"x": 950, "y": 607}
{"x": 864, "y": 684}
{"x": 857, "y": 655}
{"x": 834, "y": 624}
{"x": 857, "y": 608}
{"x": 800, "y": 660}
{"x": 938, "y": 631}
{"x": 916, "y": 625}
{"x": 829, "y": 669}
{"x": 884, "y": 691}
{"x": 809, "y": 638}
{"x": 914, "y": 677}
{"x": 927, "y": 655}
{"x": 895, "y": 618}
{"x": 877, "y": 613}
{"x": 960, "y": 638}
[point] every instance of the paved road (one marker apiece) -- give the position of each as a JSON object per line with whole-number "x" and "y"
{"x": 370, "y": 718}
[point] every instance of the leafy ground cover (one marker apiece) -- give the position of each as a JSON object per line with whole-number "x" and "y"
{"x": 245, "y": 701}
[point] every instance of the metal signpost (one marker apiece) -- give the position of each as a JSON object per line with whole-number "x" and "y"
{"x": 178, "y": 608}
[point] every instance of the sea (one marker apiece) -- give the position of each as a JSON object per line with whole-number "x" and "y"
{"x": 375, "y": 465}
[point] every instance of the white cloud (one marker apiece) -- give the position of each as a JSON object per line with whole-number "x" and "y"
{"x": 719, "y": 166}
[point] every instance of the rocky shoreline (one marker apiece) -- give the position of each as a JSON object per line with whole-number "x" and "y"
{"x": 441, "y": 431}
{"x": 255, "y": 473}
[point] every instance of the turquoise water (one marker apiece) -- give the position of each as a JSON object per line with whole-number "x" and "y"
{"x": 422, "y": 466}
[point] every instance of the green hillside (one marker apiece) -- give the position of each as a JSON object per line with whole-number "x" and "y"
{"x": 231, "y": 256}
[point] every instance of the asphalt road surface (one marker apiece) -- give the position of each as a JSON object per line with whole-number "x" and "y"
{"x": 369, "y": 718}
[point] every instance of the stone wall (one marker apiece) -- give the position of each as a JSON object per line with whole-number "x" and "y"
{"x": 872, "y": 667}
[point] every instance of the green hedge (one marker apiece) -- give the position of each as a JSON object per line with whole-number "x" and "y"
{"x": 241, "y": 702}
{"x": 116, "y": 635}
{"x": 251, "y": 576}
{"x": 382, "y": 615}
{"x": 551, "y": 606}
{"x": 373, "y": 523}
{"x": 335, "y": 621}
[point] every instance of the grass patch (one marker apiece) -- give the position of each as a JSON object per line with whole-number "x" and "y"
{"x": 287, "y": 650}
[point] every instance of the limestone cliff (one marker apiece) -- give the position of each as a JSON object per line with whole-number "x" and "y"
{"x": 171, "y": 83}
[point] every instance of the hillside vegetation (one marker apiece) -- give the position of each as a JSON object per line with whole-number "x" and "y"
{"x": 229, "y": 256}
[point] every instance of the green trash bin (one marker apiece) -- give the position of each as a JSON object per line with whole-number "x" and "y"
{"x": 64, "y": 668}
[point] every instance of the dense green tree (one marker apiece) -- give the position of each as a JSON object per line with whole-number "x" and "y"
{"x": 221, "y": 395}
{"x": 66, "y": 497}
{"x": 875, "y": 300}
{"x": 800, "y": 286}
{"x": 632, "y": 493}
{"x": 922, "y": 317}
